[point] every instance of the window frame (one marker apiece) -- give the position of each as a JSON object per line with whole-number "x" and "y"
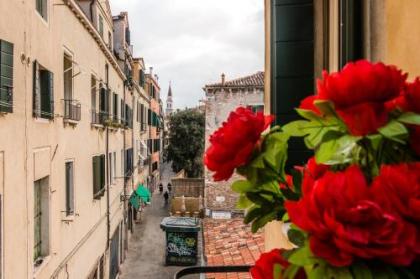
{"x": 41, "y": 6}
{"x": 70, "y": 210}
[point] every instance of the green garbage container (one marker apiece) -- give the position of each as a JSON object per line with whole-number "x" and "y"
{"x": 181, "y": 240}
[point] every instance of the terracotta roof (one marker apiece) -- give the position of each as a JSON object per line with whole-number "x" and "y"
{"x": 255, "y": 80}
{"x": 231, "y": 242}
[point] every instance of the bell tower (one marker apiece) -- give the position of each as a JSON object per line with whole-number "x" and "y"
{"x": 169, "y": 102}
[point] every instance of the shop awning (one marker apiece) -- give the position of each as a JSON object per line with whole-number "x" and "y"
{"x": 143, "y": 193}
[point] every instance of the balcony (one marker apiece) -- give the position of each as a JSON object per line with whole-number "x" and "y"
{"x": 99, "y": 118}
{"x": 72, "y": 111}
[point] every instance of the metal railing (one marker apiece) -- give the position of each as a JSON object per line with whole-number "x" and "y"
{"x": 99, "y": 117}
{"x": 212, "y": 269}
{"x": 72, "y": 109}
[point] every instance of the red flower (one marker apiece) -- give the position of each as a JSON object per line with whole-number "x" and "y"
{"x": 345, "y": 222}
{"x": 399, "y": 187}
{"x": 233, "y": 143}
{"x": 264, "y": 266}
{"x": 312, "y": 172}
{"x": 359, "y": 93}
{"x": 410, "y": 98}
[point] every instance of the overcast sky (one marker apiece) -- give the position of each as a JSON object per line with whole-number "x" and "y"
{"x": 191, "y": 42}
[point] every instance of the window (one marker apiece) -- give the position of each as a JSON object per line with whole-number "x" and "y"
{"x": 43, "y": 92}
{"x": 68, "y": 77}
{"x": 6, "y": 76}
{"x": 93, "y": 93}
{"x": 110, "y": 41}
{"x": 101, "y": 26}
{"x": 69, "y": 188}
{"x": 98, "y": 169}
{"x": 115, "y": 106}
{"x": 127, "y": 36}
{"x": 112, "y": 168}
{"x": 142, "y": 78}
{"x": 41, "y": 220}
{"x": 122, "y": 163}
{"x": 42, "y": 7}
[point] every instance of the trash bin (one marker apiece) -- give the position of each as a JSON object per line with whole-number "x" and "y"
{"x": 181, "y": 240}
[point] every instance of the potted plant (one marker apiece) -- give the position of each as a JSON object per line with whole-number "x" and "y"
{"x": 354, "y": 207}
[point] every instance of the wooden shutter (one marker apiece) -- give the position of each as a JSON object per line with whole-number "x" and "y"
{"x": 96, "y": 174}
{"x": 69, "y": 188}
{"x": 102, "y": 172}
{"x": 36, "y": 90}
{"x": 6, "y": 76}
{"x": 50, "y": 86}
{"x": 292, "y": 65}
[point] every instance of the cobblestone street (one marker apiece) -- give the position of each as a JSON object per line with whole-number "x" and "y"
{"x": 146, "y": 252}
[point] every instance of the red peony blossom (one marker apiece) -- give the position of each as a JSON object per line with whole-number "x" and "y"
{"x": 312, "y": 172}
{"x": 409, "y": 100}
{"x": 232, "y": 144}
{"x": 264, "y": 266}
{"x": 398, "y": 186}
{"x": 359, "y": 93}
{"x": 345, "y": 222}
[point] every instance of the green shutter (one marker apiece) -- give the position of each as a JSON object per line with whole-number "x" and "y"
{"x": 47, "y": 94}
{"x": 102, "y": 173}
{"x": 292, "y": 62}
{"x": 50, "y": 86}
{"x": 6, "y": 76}
{"x": 36, "y": 88}
{"x": 95, "y": 174}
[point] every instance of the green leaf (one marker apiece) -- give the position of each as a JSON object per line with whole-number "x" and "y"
{"x": 262, "y": 221}
{"x": 297, "y": 180}
{"x": 291, "y": 271}
{"x": 289, "y": 194}
{"x": 375, "y": 140}
{"x": 296, "y": 128}
{"x": 252, "y": 213}
{"x": 338, "y": 273}
{"x": 302, "y": 257}
{"x": 296, "y": 237}
{"x": 361, "y": 271}
{"x": 336, "y": 151}
{"x": 277, "y": 271}
{"x": 395, "y": 131}
{"x": 326, "y": 107}
{"x": 307, "y": 114}
{"x": 409, "y": 118}
{"x": 243, "y": 202}
{"x": 318, "y": 272}
{"x": 242, "y": 186}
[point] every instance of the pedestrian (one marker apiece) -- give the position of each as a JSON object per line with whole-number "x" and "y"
{"x": 166, "y": 197}
{"x": 160, "y": 188}
{"x": 169, "y": 187}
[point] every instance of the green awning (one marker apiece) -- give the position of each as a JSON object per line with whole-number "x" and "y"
{"x": 143, "y": 193}
{"x": 135, "y": 201}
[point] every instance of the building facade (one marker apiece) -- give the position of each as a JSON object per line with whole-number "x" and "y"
{"x": 222, "y": 98}
{"x": 305, "y": 37}
{"x": 155, "y": 128}
{"x": 68, "y": 104}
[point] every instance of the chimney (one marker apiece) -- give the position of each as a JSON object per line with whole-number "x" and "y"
{"x": 151, "y": 71}
{"x": 223, "y": 79}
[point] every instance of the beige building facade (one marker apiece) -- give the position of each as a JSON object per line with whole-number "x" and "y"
{"x": 71, "y": 140}
{"x": 305, "y": 38}
{"x": 222, "y": 98}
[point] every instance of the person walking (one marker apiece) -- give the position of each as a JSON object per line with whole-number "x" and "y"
{"x": 169, "y": 187}
{"x": 166, "y": 197}
{"x": 160, "y": 188}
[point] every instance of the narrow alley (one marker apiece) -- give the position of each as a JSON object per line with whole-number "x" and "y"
{"x": 146, "y": 253}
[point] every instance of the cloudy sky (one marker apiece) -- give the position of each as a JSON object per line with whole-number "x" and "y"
{"x": 191, "y": 42}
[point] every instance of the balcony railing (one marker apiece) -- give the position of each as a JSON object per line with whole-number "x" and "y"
{"x": 99, "y": 117}
{"x": 72, "y": 110}
{"x": 212, "y": 269}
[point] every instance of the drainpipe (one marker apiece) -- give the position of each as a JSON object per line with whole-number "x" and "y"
{"x": 125, "y": 184}
{"x": 108, "y": 213}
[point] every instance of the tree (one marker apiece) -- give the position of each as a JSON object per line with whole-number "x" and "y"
{"x": 186, "y": 142}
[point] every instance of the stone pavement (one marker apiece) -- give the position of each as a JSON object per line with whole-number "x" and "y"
{"x": 146, "y": 252}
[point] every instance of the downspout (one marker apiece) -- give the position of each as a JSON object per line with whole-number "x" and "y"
{"x": 125, "y": 184}
{"x": 108, "y": 211}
